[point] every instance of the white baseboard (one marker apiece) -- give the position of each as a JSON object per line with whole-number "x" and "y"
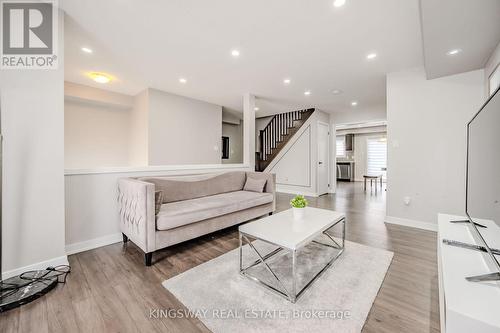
{"x": 63, "y": 260}
{"x": 93, "y": 243}
{"x": 70, "y": 249}
{"x": 298, "y": 191}
{"x": 411, "y": 223}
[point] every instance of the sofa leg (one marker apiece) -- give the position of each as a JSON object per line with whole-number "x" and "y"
{"x": 125, "y": 238}
{"x": 271, "y": 213}
{"x": 147, "y": 258}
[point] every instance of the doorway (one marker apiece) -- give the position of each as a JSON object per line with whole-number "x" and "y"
{"x": 323, "y": 158}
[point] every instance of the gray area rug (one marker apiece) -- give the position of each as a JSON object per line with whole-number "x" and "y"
{"x": 339, "y": 301}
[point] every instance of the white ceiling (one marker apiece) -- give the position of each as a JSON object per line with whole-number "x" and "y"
{"x": 470, "y": 25}
{"x": 319, "y": 47}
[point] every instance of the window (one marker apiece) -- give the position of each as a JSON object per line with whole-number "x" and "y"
{"x": 376, "y": 156}
{"x": 340, "y": 144}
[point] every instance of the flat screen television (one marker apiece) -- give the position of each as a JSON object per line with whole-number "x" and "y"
{"x": 483, "y": 177}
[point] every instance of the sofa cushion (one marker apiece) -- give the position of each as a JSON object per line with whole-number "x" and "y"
{"x": 176, "y": 214}
{"x": 180, "y": 188}
{"x": 254, "y": 185}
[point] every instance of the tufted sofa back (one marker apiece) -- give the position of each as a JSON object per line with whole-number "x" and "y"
{"x": 178, "y": 188}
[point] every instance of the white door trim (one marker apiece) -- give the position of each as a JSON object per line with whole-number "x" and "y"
{"x": 319, "y": 122}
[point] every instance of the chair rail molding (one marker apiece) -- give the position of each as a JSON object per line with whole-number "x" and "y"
{"x": 154, "y": 168}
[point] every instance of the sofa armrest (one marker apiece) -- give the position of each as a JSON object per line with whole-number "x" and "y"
{"x": 136, "y": 202}
{"x": 270, "y": 184}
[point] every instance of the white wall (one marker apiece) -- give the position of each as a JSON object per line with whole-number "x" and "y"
{"x": 249, "y": 130}
{"x": 91, "y": 95}
{"x": 32, "y": 106}
{"x": 232, "y": 127}
{"x": 235, "y": 134}
{"x": 139, "y": 129}
{"x": 360, "y": 114}
{"x": 106, "y": 129}
{"x": 230, "y": 118}
{"x": 183, "y": 130}
{"x": 427, "y": 142}
{"x": 96, "y": 127}
{"x": 91, "y": 207}
{"x": 293, "y": 169}
{"x": 490, "y": 66}
{"x": 333, "y": 155}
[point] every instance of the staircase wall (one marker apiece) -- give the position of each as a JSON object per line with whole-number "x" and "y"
{"x": 296, "y": 164}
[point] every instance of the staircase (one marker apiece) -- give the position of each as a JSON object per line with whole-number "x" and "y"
{"x": 277, "y": 133}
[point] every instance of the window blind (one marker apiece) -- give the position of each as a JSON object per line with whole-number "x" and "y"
{"x": 377, "y": 156}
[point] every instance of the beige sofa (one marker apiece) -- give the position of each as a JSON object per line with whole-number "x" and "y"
{"x": 191, "y": 206}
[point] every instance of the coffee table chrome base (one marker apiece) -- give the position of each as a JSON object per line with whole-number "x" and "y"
{"x": 291, "y": 295}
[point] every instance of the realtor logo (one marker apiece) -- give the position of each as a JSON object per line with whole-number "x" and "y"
{"x": 29, "y": 34}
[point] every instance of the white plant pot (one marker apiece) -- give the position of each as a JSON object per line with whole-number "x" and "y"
{"x": 298, "y": 213}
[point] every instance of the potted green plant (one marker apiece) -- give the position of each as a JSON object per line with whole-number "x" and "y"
{"x": 299, "y": 203}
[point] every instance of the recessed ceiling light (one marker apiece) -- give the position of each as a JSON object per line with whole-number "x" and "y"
{"x": 307, "y": 92}
{"x": 371, "y": 56}
{"x": 256, "y": 108}
{"x": 354, "y": 103}
{"x": 182, "y": 80}
{"x": 453, "y": 52}
{"x": 235, "y": 53}
{"x": 339, "y": 3}
{"x": 100, "y": 77}
{"x": 86, "y": 50}
{"x": 336, "y": 91}
{"x": 286, "y": 81}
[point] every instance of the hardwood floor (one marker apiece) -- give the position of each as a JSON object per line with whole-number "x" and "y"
{"x": 110, "y": 289}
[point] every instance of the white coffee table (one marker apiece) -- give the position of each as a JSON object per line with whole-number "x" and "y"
{"x": 283, "y": 231}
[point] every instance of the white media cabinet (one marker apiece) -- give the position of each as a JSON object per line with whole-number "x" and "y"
{"x": 466, "y": 306}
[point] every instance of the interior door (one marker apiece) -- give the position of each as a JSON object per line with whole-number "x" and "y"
{"x": 323, "y": 157}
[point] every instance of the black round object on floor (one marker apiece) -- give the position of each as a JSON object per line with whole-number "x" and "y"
{"x": 25, "y": 288}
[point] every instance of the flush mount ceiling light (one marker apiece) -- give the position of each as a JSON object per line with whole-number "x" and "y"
{"x": 371, "y": 56}
{"x": 256, "y": 108}
{"x": 354, "y": 103}
{"x": 182, "y": 80}
{"x": 453, "y": 52}
{"x": 235, "y": 53}
{"x": 307, "y": 92}
{"x": 286, "y": 81}
{"x": 86, "y": 50}
{"x": 338, "y": 3}
{"x": 100, "y": 77}
{"x": 336, "y": 91}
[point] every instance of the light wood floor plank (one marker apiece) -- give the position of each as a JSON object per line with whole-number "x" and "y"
{"x": 110, "y": 289}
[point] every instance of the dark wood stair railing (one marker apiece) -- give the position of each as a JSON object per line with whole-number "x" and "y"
{"x": 277, "y": 133}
